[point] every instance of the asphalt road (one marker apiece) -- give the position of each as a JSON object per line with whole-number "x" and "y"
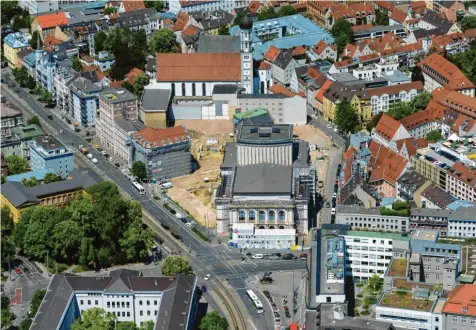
{"x": 219, "y": 260}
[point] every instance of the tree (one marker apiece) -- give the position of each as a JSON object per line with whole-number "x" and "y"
{"x": 139, "y": 170}
{"x": 159, "y": 5}
{"x": 137, "y": 241}
{"x": 4, "y": 179}
{"x": 34, "y": 121}
{"x": 239, "y": 16}
{"x": 139, "y": 83}
{"x": 51, "y": 177}
{"x": 35, "y": 38}
{"x": 267, "y": 13}
{"x": 25, "y": 324}
{"x": 346, "y": 117}
{"x": 164, "y": 41}
{"x": 224, "y": 30}
{"x": 374, "y": 283}
{"x": 7, "y": 222}
{"x": 147, "y": 325}
{"x": 37, "y": 242}
{"x": 434, "y": 136}
{"x": 374, "y": 121}
{"x": 10, "y": 9}
{"x": 67, "y": 236}
{"x": 110, "y": 10}
{"x": 16, "y": 164}
{"x": 95, "y": 319}
{"x": 174, "y": 265}
{"x": 21, "y": 21}
{"x": 421, "y": 101}
{"x": 99, "y": 40}
{"x": 129, "y": 325}
{"x": 287, "y": 10}
{"x": 468, "y": 22}
{"x": 400, "y": 110}
{"x": 213, "y": 321}
{"x": 76, "y": 64}
{"x": 381, "y": 18}
{"x": 7, "y": 316}
{"x": 36, "y": 301}
{"x": 31, "y": 182}
{"x": 343, "y": 34}
{"x": 21, "y": 76}
{"x": 466, "y": 63}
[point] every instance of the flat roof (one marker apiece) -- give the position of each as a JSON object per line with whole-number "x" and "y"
{"x": 263, "y": 179}
{"x": 371, "y": 234}
{"x": 405, "y": 300}
{"x": 463, "y": 213}
{"x": 425, "y": 235}
{"x": 265, "y": 134}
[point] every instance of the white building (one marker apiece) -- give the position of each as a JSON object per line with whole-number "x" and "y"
{"x": 62, "y": 81}
{"x": 462, "y": 222}
{"x": 371, "y": 252}
{"x": 358, "y": 218}
{"x": 191, "y": 6}
{"x": 265, "y": 79}
{"x": 388, "y": 131}
{"x": 414, "y": 319}
{"x": 124, "y": 293}
{"x": 382, "y": 98}
{"x": 36, "y": 7}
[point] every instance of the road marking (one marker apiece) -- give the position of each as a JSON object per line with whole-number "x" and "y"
{"x": 253, "y": 325}
{"x": 17, "y": 299}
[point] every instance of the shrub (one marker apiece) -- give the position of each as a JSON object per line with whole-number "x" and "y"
{"x": 365, "y": 312}
{"x": 360, "y": 295}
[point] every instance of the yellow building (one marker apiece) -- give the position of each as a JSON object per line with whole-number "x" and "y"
{"x": 14, "y": 43}
{"x": 18, "y": 197}
{"x": 337, "y": 93}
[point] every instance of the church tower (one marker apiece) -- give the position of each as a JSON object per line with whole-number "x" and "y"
{"x": 246, "y": 25}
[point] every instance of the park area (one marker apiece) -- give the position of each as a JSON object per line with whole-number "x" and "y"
{"x": 194, "y": 192}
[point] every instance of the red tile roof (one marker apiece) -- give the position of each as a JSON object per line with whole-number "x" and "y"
{"x": 280, "y": 89}
{"x": 199, "y": 67}
{"x": 117, "y": 83}
{"x": 455, "y": 100}
{"x": 271, "y": 54}
{"x": 412, "y": 145}
{"x": 343, "y": 63}
{"x": 460, "y": 120}
{"x": 385, "y": 5}
{"x": 395, "y": 89}
{"x": 191, "y": 31}
{"x": 398, "y": 16}
{"x": 150, "y": 137}
{"x": 418, "y": 6}
{"x": 321, "y": 46}
{"x": 132, "y": 75}
{"x": 361, "y": 27}
{"x": 299, "y": 51}
{"x": 49, "y": 21}
{"x": 130, "y": 5}
{"x": 51, "y": 41}
{"x": 403, "y": 49}
{"x": 464, "y": 174}
{"x": 254, "y": 6}
{"x": 181, "y": 21}
{"x": 386, "y": 164}
{"x": 349, "y": 11}
{"x": 264, "y": 66}
{"x": 449, "y": 71}
{"x": 320, "y": 93}
{"x": 463, "y": 296}
{"x": 348, "y": 159}
{"x": 433, "y": 112}
{"x": 387, "y": 127}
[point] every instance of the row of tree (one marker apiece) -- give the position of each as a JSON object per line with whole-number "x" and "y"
{"x": 96, "y": 230}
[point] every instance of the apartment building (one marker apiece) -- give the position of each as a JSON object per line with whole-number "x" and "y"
{"x": 422, "y": 122}
{"x": 48, "y": 153}
{"x": 84, "y": 101}
{"x": 388, "y": 131}
{"x": 408, "y": 185}
{"x": 454, "y": 43}
{"x": 459, "y": 309}
{"x": 370, "y": 253}
{"x": 433, "y": 164}
{"x": 359, "y": 217}
{"x": 430, "y": 219}
{"x": 13, "y": 44}
{"x": 10, "y": 118}
{"x": 461, "y": 182}
{"x": 439, "y": 72}
{"x": 381, "y": 98}
{"x": 456, "y": 101}
{"x": 118, "y": 111}
{"x": 462, "y": 222}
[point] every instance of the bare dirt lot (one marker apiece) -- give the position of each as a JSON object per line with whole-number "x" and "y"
{"x": 210, "y": 127}
{"x": 194, "y": 191}
{"x": 312, "y": 135}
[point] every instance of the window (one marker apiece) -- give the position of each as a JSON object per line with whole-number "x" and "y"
{"x": 89, "y": 302}
{"x": 271, "y": 215}
{"x": 113, "y": 304}
{"x": 148, "y": 302}
{"x": 96, "y": 302}
{"x": 155, "y": 313}
{"x": 155, "y": 302}
{"x": 148, "y": 313}
{"x": 193, "y": 89}
{"x": 204, "y": 89}
{"x": 82, "y": 302}
{"x": 128, "y": 314}
{"x": 140, "y": 302}
{"x": 261, "y": 215}
{"x": 108, "y": 304}
{"x": 183, "y": 89}
{"x": 281, "y": 216}
{"x": 242, "y": 215}
{"x": 141, "y": 313}
{"x": 122, "y": 304}
{"x": 252, "y": 215}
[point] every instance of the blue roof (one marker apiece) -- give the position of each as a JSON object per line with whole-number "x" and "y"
{"x": 459, "y": 203}
{"x": 17, "y": 40}
{"x": 305, "y": 33}
{"x": 30, "y": 59}
{"x": 167, "y": 15}
{"x": 364, "y": 153}
{"x": 38, "y": 174}
{"x": 387, "y": 201}
{"x": 358, "y": 138}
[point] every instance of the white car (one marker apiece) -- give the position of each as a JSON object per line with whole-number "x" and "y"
{"x": 190, "y": 224}
{"x": 329, "y": 126}
{"x": 207, "y": 277}
{"x": 94, "y": 160}
{"x": 336, "y": 130}
{"x": 89, "y": 156}
{"x": 103, "y": 152}
{"x": 333, "y": 211}
{"x": 257, "y": 256}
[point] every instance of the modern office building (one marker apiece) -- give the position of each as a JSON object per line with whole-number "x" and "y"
{"x": 36, "y": 7}
{"x": 166, "y": 152}
{"x": 169, "y": 301}
{"x": 267, "y": 187}
{"x": 359, "y": 217}
{"x": 48, "y": 152}
{"x": 462, "y": 222}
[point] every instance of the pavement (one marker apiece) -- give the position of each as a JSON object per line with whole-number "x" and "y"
{"x": 216, "y": 259}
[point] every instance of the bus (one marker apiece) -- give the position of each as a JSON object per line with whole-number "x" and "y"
{"x": 254, "y": 299}
{"x": 139, "y": 188}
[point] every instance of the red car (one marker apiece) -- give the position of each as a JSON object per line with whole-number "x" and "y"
{"x": 18, "y": 271}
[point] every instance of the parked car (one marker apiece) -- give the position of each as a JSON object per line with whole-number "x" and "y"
{"x": 106, "y": 155}
{"x": 89, "y": 156}
{"x": 328, "y": 205}
{"x": 277, "y": 254}
{"x": 207, "y": 277}
{"x": 94, "y": 160}
{"x": 288, "y": 256}
{"x": 333, "y": 210}
{"x": 50, "y": 117}
{"x": 117, "y": 165}
{"x": 274, "y": 257}
{"x": 303, "y": 256}
{"x": 257, "y": 256}
{"x": 18, "y": 271}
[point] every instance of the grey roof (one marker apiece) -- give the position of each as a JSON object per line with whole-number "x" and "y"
{"x": 464, "y": 213}
{"x": 283, "y": 59}
{"x": 357, "y": 209}
{"x": 129, "y": 125}
{"x": 90, "y": 75}
{"x": 425, "y": 212}
{"x": 229, "y": 159}
{"x": 344, "y": 77}
{"x": 218, "y": 44}
{"x": 301, "y": 156}
{"x": 412, "y": 180}
{"x": 150, "y": 64}
{"x": 262, "y": 96}
{"x": 422, "y": 33}
{"x": 135, "y": 18}
{"x": 85, "y": 86}
{"x": 7, "y": 111}
{"x": 117, "y": 95}
{"x": 20, "y": 195}
{"x": 438, "y": 196}
{"x": 212, "y": 19}
{"x": 328, "y": 320}
{"x": 265, "y": 134}
{"x": 264, "y": 119}
{"x": 174, "y": 308}
{"x": 379, "y": 28}
{"x": 225, "y": 89}
{"x": 436, "y": 20}
{"x": 49, "y": 142}
{"x": 155, "y": 100}
{"x": 263, "y": 179}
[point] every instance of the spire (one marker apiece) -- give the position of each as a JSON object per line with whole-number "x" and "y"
{"x": 38, "y": 47}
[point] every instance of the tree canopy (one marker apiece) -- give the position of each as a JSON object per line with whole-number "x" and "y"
{"x": 267, "y": 13}
{"x": 346, "y": 119}
{"x": 94, "y": 231}
{"x": 7, "y": 317}
{"x": 164, "y": 41}
{"x": 76, "y": 64}
{"x": 287, "y": 10}
{"x": 174, "y": 265}
{"x": 139, "y": 83}
{"x": 466, "y": 63}
{"x": 51, "y": 177}
{"x": 239, "y": 16}
{"x": 139, "y": 170}
{"x": 110, "y": 10}
{"x": 434, "y": 136}
{"x": 381, "y": 18}
{"x": 31, "y": 182}
{"x": 468, "y": 22}
{"x": 159, "y": 5}
{"x": 35, "y": 39}
{"x": 16, "y": 164}
{"x": 213, "y": 321}
{"x": 374, "y": 121}
{"x": 343, "y": 34}
{"x": 401, "y": 110}
{"x": 10, "y": 9}
{"x": 34, "y": 120}
{"x": 95, "y": 319}
{"x": 223, "y": 30}
{"x": 7, "y": 244}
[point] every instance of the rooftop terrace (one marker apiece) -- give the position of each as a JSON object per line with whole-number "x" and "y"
{"x": 401, "y": 299}
{"x": 397, "y": 268}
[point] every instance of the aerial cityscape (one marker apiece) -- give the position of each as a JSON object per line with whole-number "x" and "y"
{"x": 238, "y": 165}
